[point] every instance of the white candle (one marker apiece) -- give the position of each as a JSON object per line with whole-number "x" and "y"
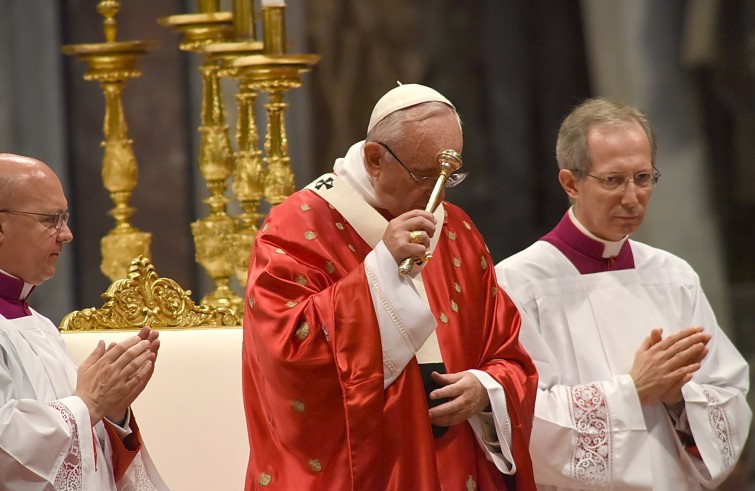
{"x": 273, "y": 3}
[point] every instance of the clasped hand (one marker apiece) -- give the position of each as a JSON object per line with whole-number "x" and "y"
{"x": 663, "y": 365}
{"x": 467, "y": 398}
{"x": 397, "y": 236}
{"x": 111, "y": 378}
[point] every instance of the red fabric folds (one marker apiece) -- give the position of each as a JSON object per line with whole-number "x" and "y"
{"x": 124, "y": 451}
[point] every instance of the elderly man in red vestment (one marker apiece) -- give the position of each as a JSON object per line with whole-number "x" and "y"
{"x": 356, "y": 377}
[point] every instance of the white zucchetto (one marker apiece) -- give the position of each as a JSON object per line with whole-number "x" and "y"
{"x": 401, "y": 97}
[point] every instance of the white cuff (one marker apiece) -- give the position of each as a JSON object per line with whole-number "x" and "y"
{"x": 125, "y": 430}
{"x": 404, "y": 318}
{"x": 499, "y": 454}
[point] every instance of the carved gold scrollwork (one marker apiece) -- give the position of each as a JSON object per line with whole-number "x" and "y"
{"x": 144, "y": 298}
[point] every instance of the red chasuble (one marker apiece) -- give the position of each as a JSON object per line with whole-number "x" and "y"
{"x": 317, "y": 413}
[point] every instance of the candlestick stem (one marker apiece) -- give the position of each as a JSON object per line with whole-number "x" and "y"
{"x": 274, "y": 30}
{"x": 243, "y": 20}
{"x": 209, "y": 6}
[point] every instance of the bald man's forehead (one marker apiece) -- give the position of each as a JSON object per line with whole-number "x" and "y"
{"x": 19, "y": 167}
{"x": 21, "y": 177}
{"x": 18, "y": 160}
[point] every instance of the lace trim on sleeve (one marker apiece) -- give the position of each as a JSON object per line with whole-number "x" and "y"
{"x": 69, "y": 477}
{"x": 719, "y": 424}
{"x": 593, "y": 453}
{"x": 137, "y": 479}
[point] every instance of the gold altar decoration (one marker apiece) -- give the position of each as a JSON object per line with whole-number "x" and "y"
{"x": 212, "y": 234}
{"x": 144, "y": 298}
{"x": 111, "y": 64}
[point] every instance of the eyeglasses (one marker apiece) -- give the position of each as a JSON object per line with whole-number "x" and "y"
{"x": 642, "y": 180}
{"x": 51, "y": 221}
{"x": 427, "y": 182}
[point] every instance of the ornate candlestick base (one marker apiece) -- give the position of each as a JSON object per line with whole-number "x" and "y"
{"x": 120, "y": 247}
{"x": 212, "y": 241}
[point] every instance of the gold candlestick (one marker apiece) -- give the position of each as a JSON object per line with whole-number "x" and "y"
{"x": 274, "y": 30}
{"x": 248, "y": 181}
{"x": 112, "y": 63}
{"x": 243, "y": 20}
{"x": 212, "y": 233}
{"x": 208, "y": 6}
{"x": 275, "y": 74}
{"x": 279, "y": 180}
{"x": 248, "y": 174}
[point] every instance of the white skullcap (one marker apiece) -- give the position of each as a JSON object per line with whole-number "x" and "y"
{"x": 401, "y": 97}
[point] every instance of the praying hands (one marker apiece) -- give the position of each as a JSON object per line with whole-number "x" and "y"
{"x": 111, "y": 378}
{"x": 663, "y": 365}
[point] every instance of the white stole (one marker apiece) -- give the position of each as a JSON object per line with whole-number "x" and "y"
{"x": 371, "y": 225}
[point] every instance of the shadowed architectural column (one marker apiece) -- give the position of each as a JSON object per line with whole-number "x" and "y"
{"x": 635, "y": 57}
{"x": 32, "y": 115}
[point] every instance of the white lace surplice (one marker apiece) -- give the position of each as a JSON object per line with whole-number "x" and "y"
{"x": 45, "y": 433}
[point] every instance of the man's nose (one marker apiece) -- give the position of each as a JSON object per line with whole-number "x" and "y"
{"x": 65, "y": 234}
{"x": 629, "y": 193}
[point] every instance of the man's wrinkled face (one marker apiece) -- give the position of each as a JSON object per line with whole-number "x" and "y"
{"x": 29, "y": 244}
{"x": 418, "y": 150}
{"x": 620, "y": 152}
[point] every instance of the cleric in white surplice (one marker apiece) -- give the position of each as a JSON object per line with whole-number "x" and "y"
{"x": 61, "y": 428}
{"x": 639, "y": 386}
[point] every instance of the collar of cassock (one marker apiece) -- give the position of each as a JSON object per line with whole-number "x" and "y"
{"x": 13, "y": 294}
{"x": 588, "y": 253}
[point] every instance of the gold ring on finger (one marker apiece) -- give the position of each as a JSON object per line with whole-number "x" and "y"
{"x": 415, "y": 237}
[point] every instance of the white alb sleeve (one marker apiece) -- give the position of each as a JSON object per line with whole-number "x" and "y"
{"x": 493, "y": 432}
{"x": 404, "y": 318}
